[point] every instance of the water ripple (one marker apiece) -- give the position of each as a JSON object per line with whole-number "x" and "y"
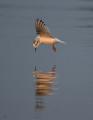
{"x": 30, "y": 6}
{"x": 86, "y": 18}
{"x": 87, "y": 0}
{"x": 84, "y": 26}
{"x": 85, "y": 8}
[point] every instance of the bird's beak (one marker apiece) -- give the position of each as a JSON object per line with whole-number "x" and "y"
{"x": 35, "y": 50}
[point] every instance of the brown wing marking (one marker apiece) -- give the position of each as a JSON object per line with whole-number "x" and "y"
{"x": 41, "y": 28}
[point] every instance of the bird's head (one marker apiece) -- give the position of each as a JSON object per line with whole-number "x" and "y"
{"x": 36, "y": 43}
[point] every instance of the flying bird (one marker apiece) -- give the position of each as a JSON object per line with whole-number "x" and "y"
{"x": 44, "y": 36}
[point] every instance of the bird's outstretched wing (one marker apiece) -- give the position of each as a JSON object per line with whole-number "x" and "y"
{"x": 41, "y": 28}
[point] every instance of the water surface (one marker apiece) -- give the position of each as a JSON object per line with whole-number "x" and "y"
{"x": 71, "y": 21}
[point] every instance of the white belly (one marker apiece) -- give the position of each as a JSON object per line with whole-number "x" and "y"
{"x": 47, "y": 40}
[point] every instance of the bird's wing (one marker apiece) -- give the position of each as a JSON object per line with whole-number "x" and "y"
{"x": 41, "y": 28}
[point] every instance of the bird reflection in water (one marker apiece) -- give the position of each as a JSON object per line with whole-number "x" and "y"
{"x": 44, "y": 85}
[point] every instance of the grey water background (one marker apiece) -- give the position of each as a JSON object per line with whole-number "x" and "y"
{"x": 71, "y": 21}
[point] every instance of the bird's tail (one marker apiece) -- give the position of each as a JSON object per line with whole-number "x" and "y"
{"x": 60, "y": 41}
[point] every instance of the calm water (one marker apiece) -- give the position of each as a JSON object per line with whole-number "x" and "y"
{"x": 70, "y": 95}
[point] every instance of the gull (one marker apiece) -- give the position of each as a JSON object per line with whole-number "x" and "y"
{"x": 44, "y": 36}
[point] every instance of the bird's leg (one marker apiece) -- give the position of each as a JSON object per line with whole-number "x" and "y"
{"x": 35, "y": 50}
{"x": 54, "y": 48}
